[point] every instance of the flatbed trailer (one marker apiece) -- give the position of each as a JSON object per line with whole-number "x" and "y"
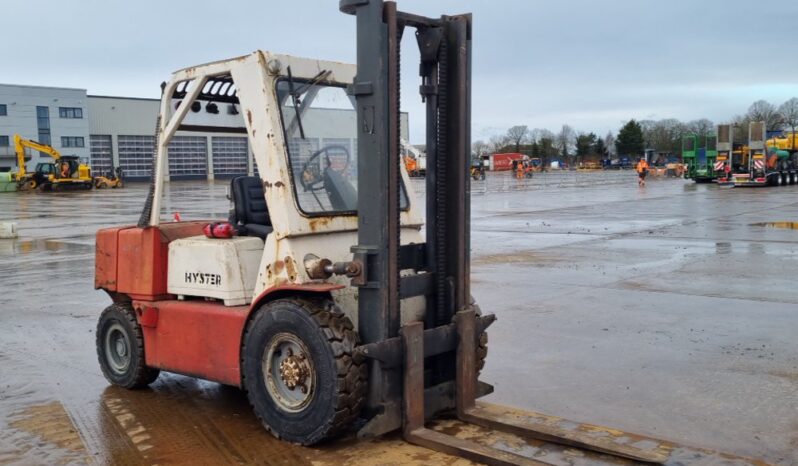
{"x": 765, "y": 164}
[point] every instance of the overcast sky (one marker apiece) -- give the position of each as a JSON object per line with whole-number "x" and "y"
{"x": 588, "y": 63}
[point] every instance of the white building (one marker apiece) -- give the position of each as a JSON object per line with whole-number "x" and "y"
{"x": 120, "y": 132}
{"x": 51, "y": 115}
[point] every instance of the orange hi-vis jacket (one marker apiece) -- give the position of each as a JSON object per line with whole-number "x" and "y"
{"x": 641, "y": 166}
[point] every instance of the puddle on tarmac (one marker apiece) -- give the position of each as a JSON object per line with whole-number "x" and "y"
{"x": 784, "y": 225}
{"x": 49, "y": 430}
{"x": 533, "y": 258}
{"x": 13, "y": 247}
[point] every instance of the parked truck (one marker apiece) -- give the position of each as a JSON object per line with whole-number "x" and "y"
{"x": 767, "y": 162}
{"x": 700, "y": 160}
{"x": 503, "y": 162}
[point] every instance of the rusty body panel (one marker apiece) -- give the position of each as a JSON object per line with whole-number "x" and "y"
{"x": 133, "y": 260}
{"x": 319, "y": 288}
{"x": 196, "y": 338}
{"x": 105, "y": 260}
{"x": 201, "y": 338}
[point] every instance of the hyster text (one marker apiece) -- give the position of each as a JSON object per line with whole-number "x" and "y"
{"x": 203, "y": 278}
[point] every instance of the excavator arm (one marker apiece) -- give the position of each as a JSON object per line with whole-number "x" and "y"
{"x": 21, "y": 143}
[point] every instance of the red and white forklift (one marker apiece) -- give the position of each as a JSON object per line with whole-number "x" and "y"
{"x": 321, "y": 296}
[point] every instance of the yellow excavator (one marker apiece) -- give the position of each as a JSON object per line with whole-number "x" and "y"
{"x": 66, "y": 172}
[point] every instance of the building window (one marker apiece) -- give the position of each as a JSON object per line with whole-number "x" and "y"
{"x": 72, "y": 141}
{"x": 3, "y": 110}
{"x": 43, "y": 122}
{"x": 4, "y": 141}
{"x": 70, "y": 112}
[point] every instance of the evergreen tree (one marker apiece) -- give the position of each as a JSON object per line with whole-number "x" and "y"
{"x": 600, "y": 149}
{"x": 630, "y": 140}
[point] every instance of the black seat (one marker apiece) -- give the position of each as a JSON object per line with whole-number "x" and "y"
{"x": 343, "y": 196}
{"x": 250, "y": 216}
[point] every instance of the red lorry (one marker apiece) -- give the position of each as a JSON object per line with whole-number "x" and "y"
{"x": 503, "y": 162}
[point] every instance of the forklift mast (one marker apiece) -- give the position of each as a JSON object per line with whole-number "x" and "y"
{"x": 445, "y": 70}
{"x": 418, "y": 369}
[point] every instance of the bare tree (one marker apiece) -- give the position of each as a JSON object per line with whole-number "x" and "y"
{"x": 740, "y": 128}
{"x": 701, "y": 128}
{"x": 544, "y": 133}
{"x": 669, "y": 135}
{"x": 496, "y": 142}
{"x": 479, "y": 147}
{"x": 648, "y": 127}
{"x": 609, "y": 143}
{"x": 534, "y": 135}
{"x": 762, "y": 110}
{"x": 516, "y": 135}
{"x": 546, "y": 147}
{"x": 564, "y": 140}
{"x": 789, "y": 113}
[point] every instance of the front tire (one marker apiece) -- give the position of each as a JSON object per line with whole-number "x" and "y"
{"x": 300, "y": 370}
{"x": 120, "y": 348}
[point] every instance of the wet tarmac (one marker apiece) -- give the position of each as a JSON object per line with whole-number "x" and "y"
{"x": 669, "y": 311}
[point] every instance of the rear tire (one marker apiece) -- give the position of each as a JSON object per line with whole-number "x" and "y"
{"x": 482, "y": 346}
{"x": 482, "y": 351}
{"x": 120, "y": 348}
{"x": 300, "y": 370}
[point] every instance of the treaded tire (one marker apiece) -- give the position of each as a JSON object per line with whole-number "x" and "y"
{"x": 339, "y": 374}
{"x": 121, "y": 318}
{"x": 482, "y": 346}
{"x": 482, "y": 351}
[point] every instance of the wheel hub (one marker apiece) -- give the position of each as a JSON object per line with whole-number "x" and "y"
{"x": 288, "y": 372}
{"x": 117, "y": 348}
{"x": 294, "y": 370}
{"x": 121, "y": 349}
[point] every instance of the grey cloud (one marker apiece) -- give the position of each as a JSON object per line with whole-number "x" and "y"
{"x": 587, "y": 63}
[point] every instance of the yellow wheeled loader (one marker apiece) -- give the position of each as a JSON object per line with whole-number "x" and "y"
{"x": 112, "y": 181}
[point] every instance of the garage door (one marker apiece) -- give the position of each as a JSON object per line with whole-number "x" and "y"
{"x": 229, "y": 156}
{"x": 135, "y": 155}
{"x": 188, "y": 157}
{"x": 101, "y": 154}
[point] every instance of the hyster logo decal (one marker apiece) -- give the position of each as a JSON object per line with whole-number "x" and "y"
{"x": 203, "y": 278}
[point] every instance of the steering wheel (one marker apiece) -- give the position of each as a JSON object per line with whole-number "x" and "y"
{"x": 312, "y": 178}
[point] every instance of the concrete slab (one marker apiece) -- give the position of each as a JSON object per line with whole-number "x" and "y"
{"x": 664, "y": 311}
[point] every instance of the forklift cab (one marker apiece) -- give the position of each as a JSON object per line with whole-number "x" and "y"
{"x": 301, "y": 205}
